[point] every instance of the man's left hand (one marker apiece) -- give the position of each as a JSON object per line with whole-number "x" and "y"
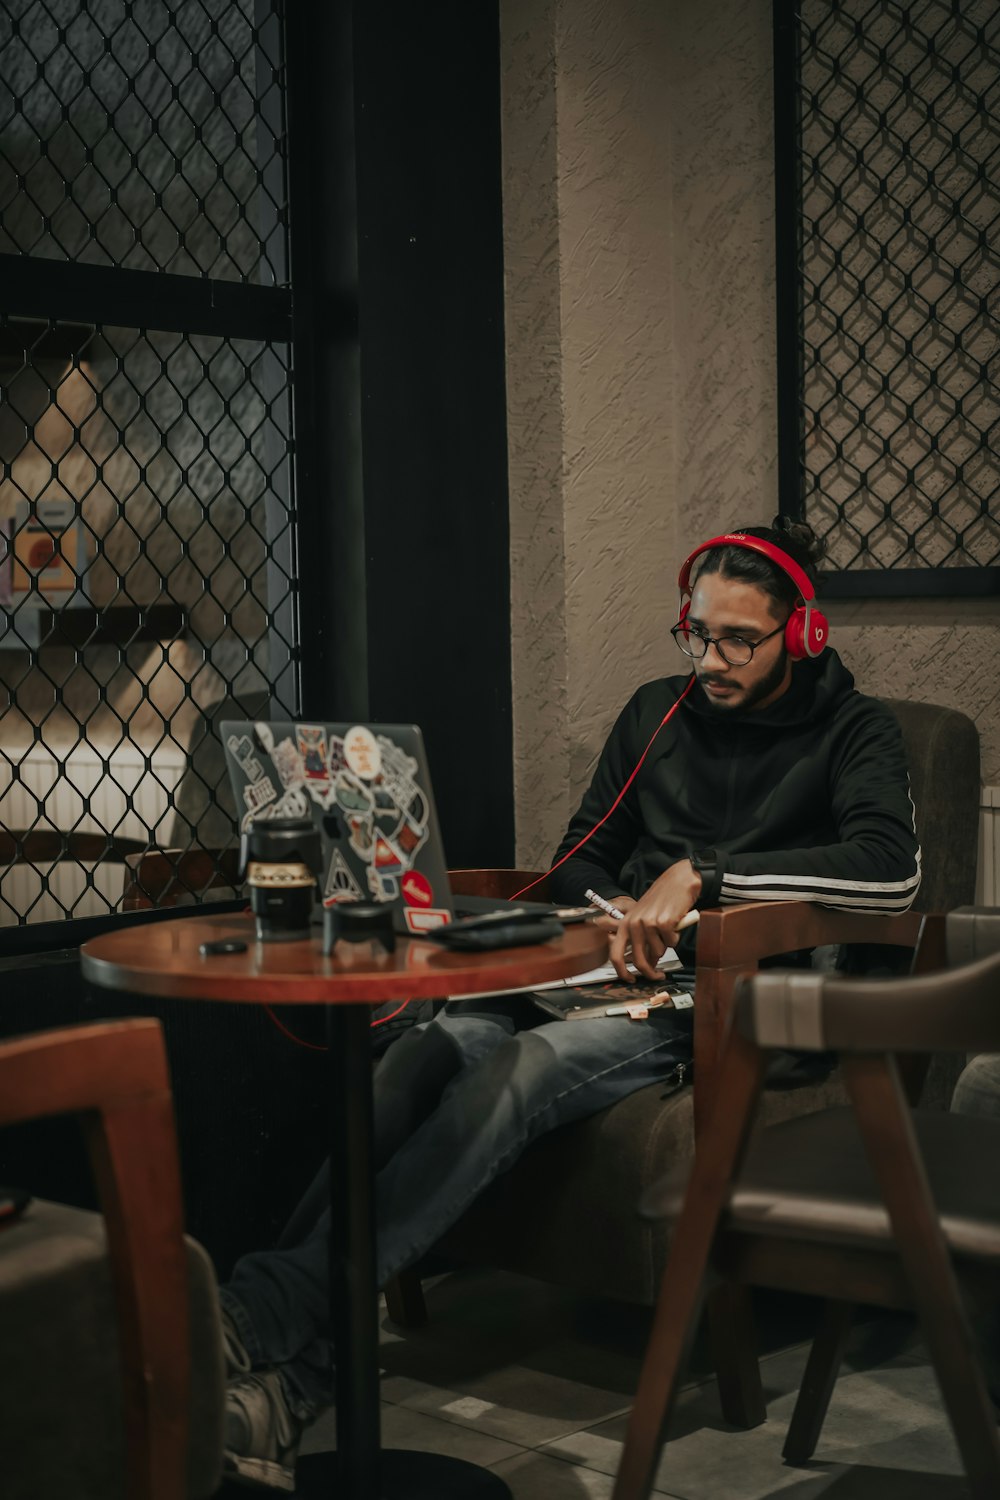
{"x": 650, "y": 926}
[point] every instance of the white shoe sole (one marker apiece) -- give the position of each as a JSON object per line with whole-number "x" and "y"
{"x": 261, "y": 1472}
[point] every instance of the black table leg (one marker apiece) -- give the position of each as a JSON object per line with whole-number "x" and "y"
{"x": 360, "y": 1469}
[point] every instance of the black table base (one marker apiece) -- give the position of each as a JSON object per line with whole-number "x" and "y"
{"x": 405, "y": 1474}
{"x": 361, "y": 1469}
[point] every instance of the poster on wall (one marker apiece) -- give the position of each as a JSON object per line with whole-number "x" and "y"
{"x": 47, "y": 558}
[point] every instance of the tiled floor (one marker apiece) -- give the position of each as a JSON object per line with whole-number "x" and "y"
{"x": 536, "y": 1383}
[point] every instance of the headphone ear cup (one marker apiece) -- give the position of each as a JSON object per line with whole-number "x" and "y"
{"x": 795, "y": 633}
{"x": 806, "y": 633}
{"x": 819, "y": 633}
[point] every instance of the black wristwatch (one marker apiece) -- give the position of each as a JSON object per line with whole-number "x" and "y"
{"x": 704, "y": 862}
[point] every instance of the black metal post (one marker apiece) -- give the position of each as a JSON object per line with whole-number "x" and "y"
{"x": 787, "y": 249}
{"x": 353, "y": 1289}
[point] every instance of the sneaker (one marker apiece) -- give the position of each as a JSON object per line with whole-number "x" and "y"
{"x": 262, "y": 1435}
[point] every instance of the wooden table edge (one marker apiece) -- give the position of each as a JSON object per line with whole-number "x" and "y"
{"x": 235, "y": 978}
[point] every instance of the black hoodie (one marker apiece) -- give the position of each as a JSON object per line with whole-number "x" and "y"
{"x": 806, "y": 799}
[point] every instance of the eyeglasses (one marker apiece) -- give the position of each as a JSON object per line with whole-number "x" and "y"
{"x": 734, "y": 650}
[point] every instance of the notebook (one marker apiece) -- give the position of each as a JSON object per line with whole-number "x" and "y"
{"x": 600, "y": 992}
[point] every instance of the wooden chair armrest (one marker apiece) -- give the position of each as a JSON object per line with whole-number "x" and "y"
{"x": 114, "y": 1075}
{"x": 731, "y": 942}
{"x": 760, "y": 929}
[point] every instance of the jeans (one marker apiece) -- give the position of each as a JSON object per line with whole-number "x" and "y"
{"x": 457, "y": 1100}
{"x": 977, "y": 1091}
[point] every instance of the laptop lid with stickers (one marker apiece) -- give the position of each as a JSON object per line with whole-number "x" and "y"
{"x": 367, "y": 789}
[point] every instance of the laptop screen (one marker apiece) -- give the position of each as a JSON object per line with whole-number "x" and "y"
{"x": 367, "y": 789}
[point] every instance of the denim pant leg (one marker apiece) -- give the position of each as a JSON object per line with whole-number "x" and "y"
{"x": 279, "y": 1298}
{"x": 535, "y": 1081}
{"x": 977, "y": 1091}
{"x": 509, "y": 1089}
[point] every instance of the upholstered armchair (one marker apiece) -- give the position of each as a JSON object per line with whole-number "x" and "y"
{"x": 567, "y": 1211}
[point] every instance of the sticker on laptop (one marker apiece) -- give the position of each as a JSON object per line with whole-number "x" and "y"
{"x": 424, "y": 919}
{"x": 257, "y": 795}
{"x": 385, "y": 858}
{"x": 409, "y": 837}
{"x": 340, "y": 883}
{"x": 362, "y": 753}
{"x": 416, "y": 889}
{"x": 288, "y": 763}
{"x": 384, "y": 887}
{"x": 294, "y": 804}
{"x": 265, "y": 739}
{"x": 336, "y": 759}
{"x": 312, "y": 748}
{"x": 241, "y": 748}
{"x": 360, "y": 834}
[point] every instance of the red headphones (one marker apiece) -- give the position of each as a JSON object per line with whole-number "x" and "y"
{"x": 807, "y": 630}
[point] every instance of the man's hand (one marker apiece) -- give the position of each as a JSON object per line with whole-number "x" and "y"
{"x": 651, "y": 923}
{"x": 611, "y": 924}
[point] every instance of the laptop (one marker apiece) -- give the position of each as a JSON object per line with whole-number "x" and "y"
{"x": 367, "y": 789}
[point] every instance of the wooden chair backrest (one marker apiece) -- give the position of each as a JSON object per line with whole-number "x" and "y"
{"x": 43, "y": 846}
{"x": 114, "y": 1076}
{"x": 170, "y": 877}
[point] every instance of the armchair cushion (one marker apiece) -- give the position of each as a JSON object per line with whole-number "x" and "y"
{"x": 581, "y": 1185}
{"x": 58, "y": 1335}
{"x": 567, "y": 1211}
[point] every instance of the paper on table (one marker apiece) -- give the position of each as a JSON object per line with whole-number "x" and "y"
{"x": 666, "y": 963}
{"x": 605, "y": 974}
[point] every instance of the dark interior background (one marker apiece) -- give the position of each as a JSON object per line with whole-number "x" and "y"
{"x": 399, "y": 411}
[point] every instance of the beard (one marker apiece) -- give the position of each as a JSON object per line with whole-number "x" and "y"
{"x": 768, "y": 684}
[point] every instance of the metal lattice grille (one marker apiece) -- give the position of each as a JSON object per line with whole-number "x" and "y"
{"x": 143, "y": 135}
{"x": 147, "y": 526}
{"x": 900, "y": 268}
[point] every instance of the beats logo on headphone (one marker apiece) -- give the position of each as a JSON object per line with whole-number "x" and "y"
{"x": 807, "y": 631}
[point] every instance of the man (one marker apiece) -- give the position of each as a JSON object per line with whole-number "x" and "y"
{"x": 764, "y": 776}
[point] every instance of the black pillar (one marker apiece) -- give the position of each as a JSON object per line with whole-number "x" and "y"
{"x": 406, "y": 596}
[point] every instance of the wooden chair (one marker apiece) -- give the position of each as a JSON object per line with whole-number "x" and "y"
{"x": 179, "y": 877}
{"x": 869, "y": 1202}
{"x": 565, "y": 1212}
{"x": 52, "y": 854}
{"x": 86, "y": 1411}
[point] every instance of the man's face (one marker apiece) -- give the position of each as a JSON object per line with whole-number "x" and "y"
{"x": 724, "y": 606}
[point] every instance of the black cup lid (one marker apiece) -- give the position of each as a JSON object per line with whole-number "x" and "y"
{"x": 357, "y": 920}
{"x": 280, "y": 825}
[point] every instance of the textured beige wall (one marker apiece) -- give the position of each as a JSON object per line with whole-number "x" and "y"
{"x": 638, "y": 180}
{"x": 931, "y": 650}
{"x": 640, "y": 348}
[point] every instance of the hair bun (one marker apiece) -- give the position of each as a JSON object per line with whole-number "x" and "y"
{"x": 800, "y": 541}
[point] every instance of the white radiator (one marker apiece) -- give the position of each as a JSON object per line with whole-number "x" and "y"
{"x": 126, "y": 800}
{"x": 988, "y": 878}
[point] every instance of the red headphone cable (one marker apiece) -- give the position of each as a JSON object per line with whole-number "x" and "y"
{"x": 665, "y": 720}
{"x": 318, "y": 1047}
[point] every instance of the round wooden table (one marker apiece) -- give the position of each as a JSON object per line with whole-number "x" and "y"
{"x": 164, "y": 958}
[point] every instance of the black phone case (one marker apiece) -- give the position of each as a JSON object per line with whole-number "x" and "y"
{"x": 477, "y": 934}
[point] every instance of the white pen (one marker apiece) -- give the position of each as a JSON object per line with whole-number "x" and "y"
{"x": 619, "y": 916}
{"x": 604, "y": 906}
